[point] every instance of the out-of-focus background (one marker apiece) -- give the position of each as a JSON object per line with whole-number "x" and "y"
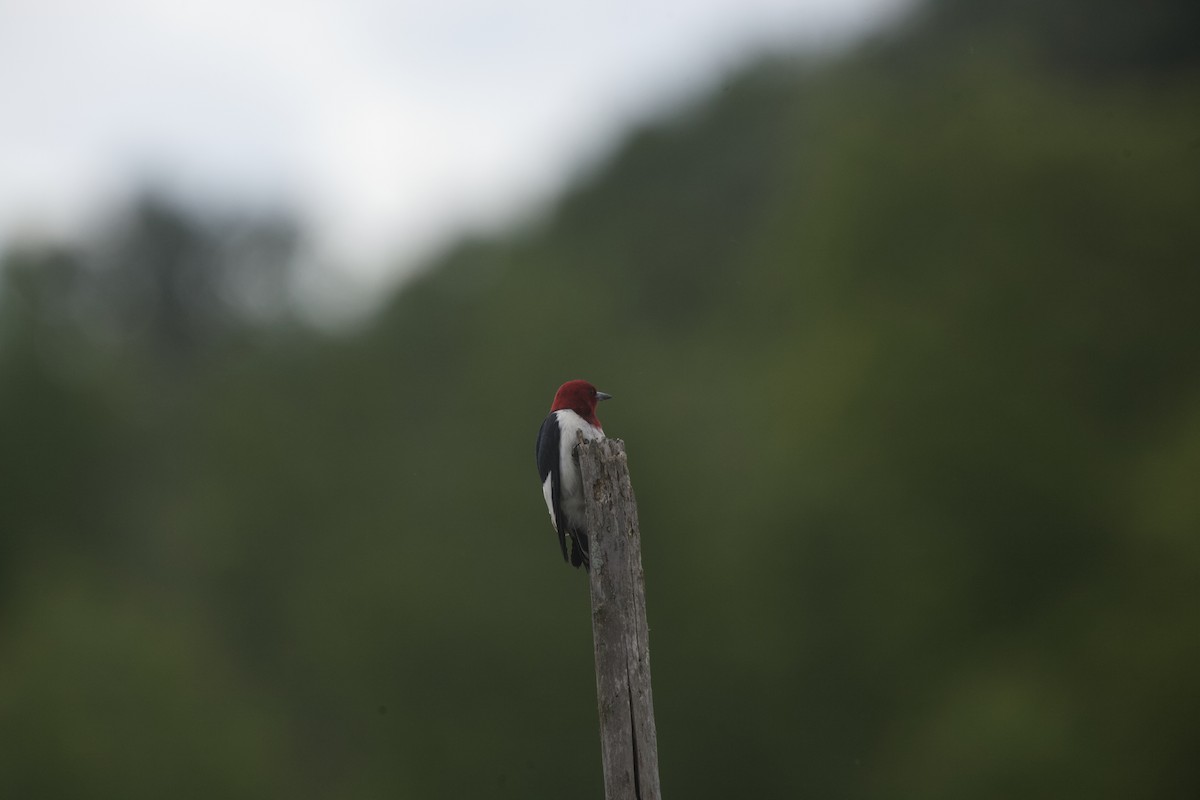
{"x": 900, "y": 305}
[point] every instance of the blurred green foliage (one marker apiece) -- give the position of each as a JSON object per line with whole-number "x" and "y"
{"x": 904, "y": 347}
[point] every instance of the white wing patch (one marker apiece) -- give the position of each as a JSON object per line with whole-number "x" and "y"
{"x": 548, "y": 493}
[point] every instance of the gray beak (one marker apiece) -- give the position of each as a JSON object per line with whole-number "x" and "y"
{"x": 603, "y": 396}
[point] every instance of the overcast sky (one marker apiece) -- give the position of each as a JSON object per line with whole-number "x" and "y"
{"x": 385, "y": 126}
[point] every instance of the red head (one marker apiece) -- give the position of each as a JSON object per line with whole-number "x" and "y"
{"x": 580, "y": 397}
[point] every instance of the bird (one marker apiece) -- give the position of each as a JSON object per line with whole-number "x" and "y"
{"x": 572, "y": 412}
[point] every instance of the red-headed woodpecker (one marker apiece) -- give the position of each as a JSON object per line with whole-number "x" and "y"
{"x": 573, "y": 411}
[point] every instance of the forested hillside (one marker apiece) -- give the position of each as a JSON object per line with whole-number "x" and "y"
{"x": 903, "y": 345}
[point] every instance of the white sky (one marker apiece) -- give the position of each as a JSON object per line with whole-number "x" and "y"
{"x": 384, "y": 126}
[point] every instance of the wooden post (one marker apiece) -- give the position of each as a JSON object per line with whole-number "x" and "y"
{"x": 628, "y": 740}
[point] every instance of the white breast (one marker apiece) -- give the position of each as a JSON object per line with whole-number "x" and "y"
{"x": 569, "y": 424}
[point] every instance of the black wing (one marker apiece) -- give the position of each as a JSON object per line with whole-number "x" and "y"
{"x": 548, "y": 465}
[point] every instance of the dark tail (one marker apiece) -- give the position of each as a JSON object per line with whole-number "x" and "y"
{"x": 579, "y": 551}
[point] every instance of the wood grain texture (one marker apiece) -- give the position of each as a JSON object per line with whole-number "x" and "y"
{"x": 628, "y": 739}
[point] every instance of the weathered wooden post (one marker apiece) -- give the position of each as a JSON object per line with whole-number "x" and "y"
{"x": 628, "y": 740}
